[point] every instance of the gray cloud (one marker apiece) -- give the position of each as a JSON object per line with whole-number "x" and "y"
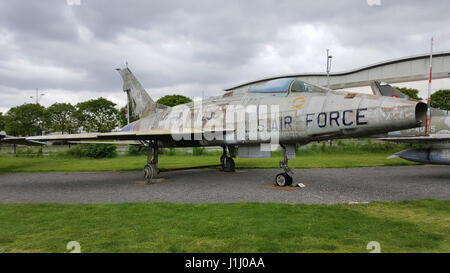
{"x": 195, "y": 47}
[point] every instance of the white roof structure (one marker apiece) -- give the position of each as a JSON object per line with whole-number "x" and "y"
{"x": 406, "y": 69}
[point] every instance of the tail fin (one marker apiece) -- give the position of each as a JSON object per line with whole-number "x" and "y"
{"x": 141, "y": 104}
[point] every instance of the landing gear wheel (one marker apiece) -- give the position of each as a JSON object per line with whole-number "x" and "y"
{"x": 283, "y": 180}
{"x": 228, "y": 164}
{"x": 150, "y": 172}
{"x": 222, "y": 160}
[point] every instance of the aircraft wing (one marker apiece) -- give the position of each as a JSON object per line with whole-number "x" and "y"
{"x": 115, "y": 142}
{"x": 131, "y": 135}
{"x": 431, "y": 139}
{"x": 20, "y": 141}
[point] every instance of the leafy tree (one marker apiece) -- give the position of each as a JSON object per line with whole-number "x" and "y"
{"x": 60, "y": 117}
{"x": 2, "y": 121}
{"x": 172, "y": 100}
{"x": 441, "y": 99}
{"x": 27, "y": 119}
{"x": 97, "y": 115}
{"x": 410, "y": 92}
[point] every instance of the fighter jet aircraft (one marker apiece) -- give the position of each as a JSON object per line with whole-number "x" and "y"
{"x": 255, "y": 118}
{"x": 437, "y": 142}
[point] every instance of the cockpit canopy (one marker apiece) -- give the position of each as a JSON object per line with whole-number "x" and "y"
{"x": 285, "y": 85}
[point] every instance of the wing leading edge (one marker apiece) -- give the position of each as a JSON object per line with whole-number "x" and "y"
{"x": 135, "y": 135}
{"x": 436, "y": 138}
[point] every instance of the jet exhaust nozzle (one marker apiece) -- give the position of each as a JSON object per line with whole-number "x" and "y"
{"x": 421, "y": 113}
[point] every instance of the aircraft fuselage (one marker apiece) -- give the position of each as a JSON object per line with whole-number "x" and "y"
{"x": 295, "y": 117}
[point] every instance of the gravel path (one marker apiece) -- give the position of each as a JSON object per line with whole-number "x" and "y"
{"x": 204, "y": 186}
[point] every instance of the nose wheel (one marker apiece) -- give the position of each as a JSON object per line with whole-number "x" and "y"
{"x": 283, "y": 180}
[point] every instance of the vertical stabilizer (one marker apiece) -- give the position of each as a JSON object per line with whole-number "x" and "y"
{"x": 141, "y": 104}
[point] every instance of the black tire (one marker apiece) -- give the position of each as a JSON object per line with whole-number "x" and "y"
{"x": 222, "y": 161}
{"x": 150, "y": 172}
{"x": 283, "y": 180}
{"x": 228, "y": 164}
{"x": 289, "y": 180}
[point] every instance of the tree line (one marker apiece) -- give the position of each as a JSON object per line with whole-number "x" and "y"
{"x": 439, "y": 99}
{"x": 96, "y": 115}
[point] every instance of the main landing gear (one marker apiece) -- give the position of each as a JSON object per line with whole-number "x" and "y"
{"x": 284, "y": 179}
{"x": 151, "y": 168}
{"x": 226, "y": 161}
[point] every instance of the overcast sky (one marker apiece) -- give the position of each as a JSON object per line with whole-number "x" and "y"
{"x": 199, "y": 47}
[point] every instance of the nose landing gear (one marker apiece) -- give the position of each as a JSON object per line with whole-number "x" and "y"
{"x": 284, "y": 179}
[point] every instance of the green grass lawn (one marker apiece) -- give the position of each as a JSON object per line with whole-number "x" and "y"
{"x": 407, "y": 226}
{"x": 125, "y": 163}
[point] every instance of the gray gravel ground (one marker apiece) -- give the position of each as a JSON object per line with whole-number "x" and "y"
{"x": 204, "y": 186}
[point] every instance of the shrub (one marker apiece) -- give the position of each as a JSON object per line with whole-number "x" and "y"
{"x": 77, "y": 151}
{"x": 198, "y": 150}
{"x": 137, "y": 150}
{"x": 93, "y": 150}
{"x": 101, "y": 150}
{"x": 30, "y": 152}
{"x": 170, "y": 151}
{"x": 40, "y": 152}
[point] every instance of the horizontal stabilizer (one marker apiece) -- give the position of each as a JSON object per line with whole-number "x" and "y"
{"x": 20, "y": 141}
{"x": 386, "y": 90}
